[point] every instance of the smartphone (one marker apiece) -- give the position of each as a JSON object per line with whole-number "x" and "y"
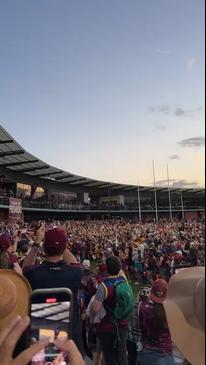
{"x": 51, "y": 316}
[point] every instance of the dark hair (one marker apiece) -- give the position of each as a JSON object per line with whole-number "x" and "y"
{"x": 113, "y": 265}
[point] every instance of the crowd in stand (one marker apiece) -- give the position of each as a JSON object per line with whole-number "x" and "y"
{"x": 93, "y": 259}
{"x": 61, "y": 201}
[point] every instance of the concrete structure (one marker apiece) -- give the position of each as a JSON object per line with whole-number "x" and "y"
{"x": 47, "y": 191}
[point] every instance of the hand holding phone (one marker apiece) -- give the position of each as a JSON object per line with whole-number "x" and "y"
{"x": 51, "y": 316}
{"x": 9, "y": 338}
{"x": 71, "y": 350}
{"x": 12, "y": 334}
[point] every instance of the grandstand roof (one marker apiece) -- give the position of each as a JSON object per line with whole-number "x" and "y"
{"x": 14, "y": 158}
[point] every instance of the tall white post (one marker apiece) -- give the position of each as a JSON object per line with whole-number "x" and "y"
{"x": 139, "y": 203}
{"x": 182, "y": 205}
{"x": 169, "y": 193}
{"x": 108, "y": 193}
{"x": 155, "y": 191}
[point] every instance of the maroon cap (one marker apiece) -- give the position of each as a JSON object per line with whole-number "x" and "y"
{"x": 5, "y": 242}
{"x": 55, "y": 242}
{"x": 159, "y": 291}
{"x": 178, "y": 246}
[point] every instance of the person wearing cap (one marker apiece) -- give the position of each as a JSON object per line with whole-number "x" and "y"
{"x": 134, "y": 332}
{"x": 54, "y": 272}
{"x": 185, "y": 310}
{"x": 115, "y": 352}
{"x": 6, "y": 258}
{"x": 87, "y": 271}
{"x": 151, "y": 266}
{"x": 156, "y": 339}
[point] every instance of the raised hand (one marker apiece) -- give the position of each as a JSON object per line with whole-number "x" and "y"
{"x": 40, "y": 234}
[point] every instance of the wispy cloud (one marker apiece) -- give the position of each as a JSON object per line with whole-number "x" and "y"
{"x": 176, "y": 111}
{"x": 174, "y": 157}
{"x": 174, "y": 183}
{"x": 192, "y": 142}
{"x": 163, "y": 109}
{"x": 191, "y": 63}
{"x": 179, "y": 111}
{"x": 161, "y": 128}
{"x": 151, "y": 109}
{"x": 164, "y": 52}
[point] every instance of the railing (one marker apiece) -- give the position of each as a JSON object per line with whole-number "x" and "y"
{"x": 37, "y": 204}
{"x": 4, "y": 200}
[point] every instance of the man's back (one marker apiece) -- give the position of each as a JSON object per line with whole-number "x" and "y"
{"x": 54, "y": 275}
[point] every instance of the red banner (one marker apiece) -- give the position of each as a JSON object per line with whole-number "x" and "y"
{"x": 15, "y": 209}
{"x": 189, "y": 216}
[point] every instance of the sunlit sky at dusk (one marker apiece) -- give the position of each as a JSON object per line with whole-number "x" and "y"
{"x": 102, "y": 88}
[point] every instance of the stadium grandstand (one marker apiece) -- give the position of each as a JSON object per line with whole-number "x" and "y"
{"x": 33, "y": 188}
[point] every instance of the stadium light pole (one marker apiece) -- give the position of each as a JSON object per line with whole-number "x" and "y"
{"x": 139, "y": 203}
{"x": 155, "y": 191}
{"x": 108, "y": 196}
{"x": 169, "y": 193}
{"x": 182, "y": 205}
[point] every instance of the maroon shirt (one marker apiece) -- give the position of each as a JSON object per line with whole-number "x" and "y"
{"x": 159, "y": 341}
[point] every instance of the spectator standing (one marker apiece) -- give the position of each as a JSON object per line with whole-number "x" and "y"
{"x": 54, "y": 272}
{"x": 152, "y": 267}
{"x": 113, "y": 337}
{"x": 156, "y": 339}
{"x": 134, "y": 344}
{"x": 7, "y": 259}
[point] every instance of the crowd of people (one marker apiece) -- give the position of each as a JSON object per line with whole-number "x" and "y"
{"x": 100, "y": 260}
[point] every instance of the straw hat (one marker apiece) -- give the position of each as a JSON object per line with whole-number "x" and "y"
{"x": 14, "y": 296}
{"x": 185, "y": 310}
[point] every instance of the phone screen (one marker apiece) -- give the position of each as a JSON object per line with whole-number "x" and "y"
{"x": 50, "y": 318}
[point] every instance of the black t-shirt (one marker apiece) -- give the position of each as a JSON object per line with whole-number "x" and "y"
{"x": 50, "y": 275}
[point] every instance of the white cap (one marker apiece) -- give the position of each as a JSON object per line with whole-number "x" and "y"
{"x": 86, "y": 264}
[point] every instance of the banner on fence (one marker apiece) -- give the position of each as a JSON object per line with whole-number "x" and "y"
{"x": 15, "y": 209}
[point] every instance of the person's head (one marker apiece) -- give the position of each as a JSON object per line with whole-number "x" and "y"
{"x": 113, "y": 265}
{"x": 185, "y": 310}
{"x": 159, "y": 290}
{"x": 102, "y": 269}
{"x": 151, "y": 252}
{"x": 55, "y": 242}
{"x": 144, "y": 294}
{"x": 24, "y": 249}
{"x": 5, "y": 243}
{"x": 86, "y": 264}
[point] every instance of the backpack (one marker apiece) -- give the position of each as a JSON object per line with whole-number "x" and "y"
{"x": 124, "y": 301}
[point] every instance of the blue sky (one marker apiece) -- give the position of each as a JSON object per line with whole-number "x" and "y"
{"x": 101, "y": 88}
